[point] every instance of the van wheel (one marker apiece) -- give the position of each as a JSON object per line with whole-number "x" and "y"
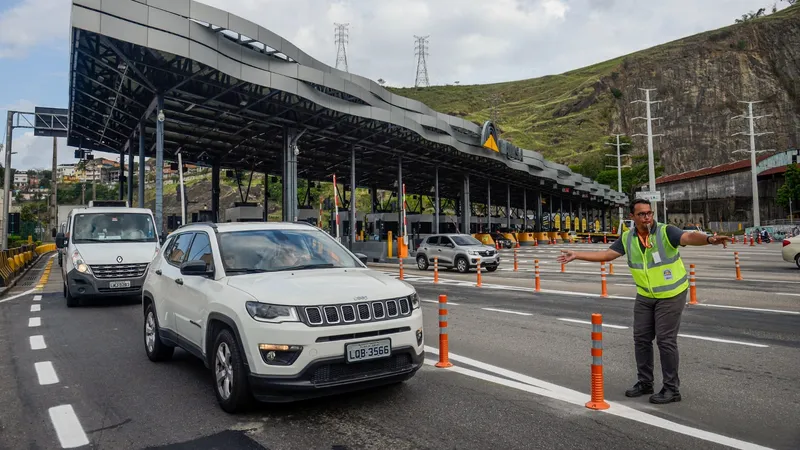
{"x": 71, "y": 301}
{"x": 229, "y": 374}
{"x": 156, "y": 349}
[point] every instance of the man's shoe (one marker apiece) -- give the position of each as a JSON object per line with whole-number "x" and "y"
{"x": 639, "y": 389}
{"x": 665, "y": 396}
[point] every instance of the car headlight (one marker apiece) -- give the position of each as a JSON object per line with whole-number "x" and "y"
{"x": 414, "y": 300}
{"x": 474, "y": 252}
{"x": 79, "y": 264}
{"x": 265, "y": 312}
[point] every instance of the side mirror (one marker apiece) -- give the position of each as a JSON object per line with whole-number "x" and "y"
{"x": 196, "y": 268}
{"x": 60, "y": 240}
{"x": 161, "y": 238}
{"x": 362, "y": 257}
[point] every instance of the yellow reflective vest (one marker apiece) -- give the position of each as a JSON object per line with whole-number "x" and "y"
{"x": 658, "y": 271}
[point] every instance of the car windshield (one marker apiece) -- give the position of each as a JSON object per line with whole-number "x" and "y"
{"x": 466, "y": 240}
{"x": 117, "y": 227}
{"x": 278, "y": 250}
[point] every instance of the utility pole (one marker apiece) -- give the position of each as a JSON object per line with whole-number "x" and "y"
{"x": 650, "y": 135}
{"x": 421, "y": 52}
{"x": 54, "y": 184}
{"x": 753, "y": 169}
{"x": 619, "y": 168}
{"x": 7, "y": 180}
{"x": 341, "y": 37}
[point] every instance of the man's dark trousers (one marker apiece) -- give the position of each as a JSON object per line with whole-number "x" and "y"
{"x": 658, "y": 318}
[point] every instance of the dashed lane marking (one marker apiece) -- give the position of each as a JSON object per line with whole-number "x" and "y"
{"x": 578, "y": 399}
{"x": 619, "y": 327}
{"x": 46, "y": 373}
{"x": 744, "y": 308}
{"x": 17, "y": 295}
{"x": 34, "y": 322}
{"x": 37, "y": 342}
{"x": 788, "y": 294}
{"x": 68, "y": 427}
{"x": 724, "y": 341}
{"x": 37, "y": 298}
{"x": 36, "y": 308}
{"x": 507, "y": 311}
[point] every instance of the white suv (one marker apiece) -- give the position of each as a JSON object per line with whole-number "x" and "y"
{"x": 279, "y": 312}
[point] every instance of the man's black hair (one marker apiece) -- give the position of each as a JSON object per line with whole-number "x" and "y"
{"x": 639, "y": 201}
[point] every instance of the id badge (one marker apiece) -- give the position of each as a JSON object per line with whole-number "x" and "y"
{"x": 656, "y": 258}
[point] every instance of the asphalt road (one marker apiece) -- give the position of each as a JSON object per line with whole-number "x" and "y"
{"x": 520, "y": 380}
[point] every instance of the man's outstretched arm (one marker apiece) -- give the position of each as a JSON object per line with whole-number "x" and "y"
{"x": 605, "y": 255}
{"x": 700, "y": 239}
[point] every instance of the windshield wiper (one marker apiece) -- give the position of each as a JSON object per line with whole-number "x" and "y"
{"x": 243, "y": 270}
{"x": 307, "y": 266}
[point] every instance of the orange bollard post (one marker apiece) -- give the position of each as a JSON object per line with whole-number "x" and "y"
{"x": 604, "y": 292}
{"x": 563, "y": 268}
{"x": 597, "y": 401}
{"x": 401, "y": 268}
{"x": 611, "y": 268}
{"x": 538, "y": 286}
{"x": 516, "y": 261}
{"x": 692, "y": 286}
{"x": 479, "y": 271}
{"x": 738, "y": 269}
{"x": 435, "y": 269}
{"x": 444, "y": 361}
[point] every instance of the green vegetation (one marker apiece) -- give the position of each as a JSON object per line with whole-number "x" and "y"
{"x": 790, "y": 191}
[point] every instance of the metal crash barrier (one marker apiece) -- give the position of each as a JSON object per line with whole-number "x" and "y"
{"x": 14, "y": 261}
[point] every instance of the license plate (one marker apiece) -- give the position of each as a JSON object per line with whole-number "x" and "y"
{"x": 119, "y": 284}
{"x": 364, "y": 351}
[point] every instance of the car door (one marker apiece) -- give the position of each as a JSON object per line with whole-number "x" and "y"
{"x": 196, "y": 292}
{"x": 447, "y": 253}
{"x": 171, "y": 293}
{"x": 157, "y": 286}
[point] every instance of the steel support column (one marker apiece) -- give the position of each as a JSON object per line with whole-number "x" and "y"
{"x": 159, "y": 168}
{"x": 466, "y": 205}
{"x": 215, "y": 169}
{"x": 539, "y": 221}
{"x": 352, "y": 196}
{"x": 508, "y": 206}
{"x": 436, "y": 226}
{"x": 524, "y": 210}
{"x": 141, "y": 164}
{"x": 121, "y": 175}
{"x": 289, "y": 175}
{"x": 266, "y": 197}
{"x": 400, "y": 206}
{"x": 489, "y": 204}
{"x": 7, "y": 179}
{"x": 130, "y": 174}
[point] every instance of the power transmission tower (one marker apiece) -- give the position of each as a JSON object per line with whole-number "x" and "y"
{"x": 421, "y": 52}
{"x": 619, "y": 168}
{"x": 650, "y": 135}
{"x": 342, "y": 38}
{"x": 753, "y": 169}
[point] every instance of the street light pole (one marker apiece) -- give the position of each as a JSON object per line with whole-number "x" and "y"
{"x": 7, "y": 179}
{"x": 619, "y": 167}
{"x": 650, "y": 135}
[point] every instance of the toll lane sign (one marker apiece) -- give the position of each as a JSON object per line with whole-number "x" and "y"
{"x": 653, "y": 196}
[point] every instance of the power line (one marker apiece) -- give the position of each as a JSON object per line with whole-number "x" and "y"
{"x": 421, "y": 52}
{"x": 753, "y": 169}
{"x": 342, "y": 38}
{"x": 650, "y": 135}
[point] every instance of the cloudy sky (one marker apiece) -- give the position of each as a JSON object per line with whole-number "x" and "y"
{"x": 471, "y": 41}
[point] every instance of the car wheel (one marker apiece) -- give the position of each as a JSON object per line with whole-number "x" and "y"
{"x": 491, "y": 268}
{"x": 797, "y": 260}
{"x": 462, "y": 265}
{"x": 156, "y": 349}
{"x": 230, "y": 376}
{"x": 71, "y": 301}
{"x": 422, "y": 262}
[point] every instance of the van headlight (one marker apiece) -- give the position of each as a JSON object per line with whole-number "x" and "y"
{"x": 79, "y": 264}
{"x": 265, "y": 312}
{"x": 414, "y": 300}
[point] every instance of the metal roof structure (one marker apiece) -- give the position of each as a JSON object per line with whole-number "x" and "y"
{"x": 230, "y": 87}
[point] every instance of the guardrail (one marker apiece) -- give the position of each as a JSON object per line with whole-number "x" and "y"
{"x": 14, "y": 261}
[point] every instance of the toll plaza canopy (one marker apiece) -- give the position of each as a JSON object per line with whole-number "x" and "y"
{"x": 169, "y": 76}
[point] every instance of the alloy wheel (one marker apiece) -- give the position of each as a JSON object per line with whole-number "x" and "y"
{"x": 224, "y": 371}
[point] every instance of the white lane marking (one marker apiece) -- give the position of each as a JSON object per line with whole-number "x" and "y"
{"x": 46, "y": 373}
{"x": 68, "y": 427}
{"x": 37, "y": 342}
{"x": 724, "y": 341}
{"x": 619, "y": 327}
{"x": 37, "y": 298}
{"x": 36, "y": 308}
{"x": 17, "y": 295}
{"x": 34, "y": 322}
{"x": 785, "y": 293}
{"x": 779, "y": 311}
{"x": 507, "y": 311}
{"x": 624, "y": 285}
{"x": 437, "y": 302}
{"x": 579, "y": 399}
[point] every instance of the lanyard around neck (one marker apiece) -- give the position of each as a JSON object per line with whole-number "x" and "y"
{"x": 646, "y": 240}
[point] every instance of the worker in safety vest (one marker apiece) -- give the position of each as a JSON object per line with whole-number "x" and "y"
{"x": 662, "y": 284}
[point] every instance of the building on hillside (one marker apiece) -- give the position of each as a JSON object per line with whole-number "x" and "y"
{"x": 66, "y": 173}
{"x": 20, "y": 180}
{"x": 721, "y": 197}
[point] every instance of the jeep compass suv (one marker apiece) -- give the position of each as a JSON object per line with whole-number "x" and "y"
{"x": 279, "y": 312}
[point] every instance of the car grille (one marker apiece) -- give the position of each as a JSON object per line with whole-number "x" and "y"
{"x": 119, "y": 270}
{"x": 364, "y": 312}
{"x": 331, "y": 373}
{"x": 486, "y": 253}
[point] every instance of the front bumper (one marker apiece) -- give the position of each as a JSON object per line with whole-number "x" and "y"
{"x": 788, "y": 253}
{"x": 486, "y": 261}
{"x": 86, "y": 285}
{"x": 331, "y": 376}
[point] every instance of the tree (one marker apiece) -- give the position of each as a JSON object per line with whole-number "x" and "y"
{"x": 791, "y": 186}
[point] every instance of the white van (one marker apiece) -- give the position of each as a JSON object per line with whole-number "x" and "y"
{"x": 107, "y": 250}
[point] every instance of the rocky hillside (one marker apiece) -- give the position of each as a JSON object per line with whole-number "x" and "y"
{"x": 699, "y": 79}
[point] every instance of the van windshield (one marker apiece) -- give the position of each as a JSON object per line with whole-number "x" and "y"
{"x": 116, "y": 227}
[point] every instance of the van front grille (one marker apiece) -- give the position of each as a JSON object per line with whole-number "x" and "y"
{"x": 119, "y": 270}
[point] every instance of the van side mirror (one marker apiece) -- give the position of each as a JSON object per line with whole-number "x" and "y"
{"x": 60, "y": 240}
{"x": 196, "y": 267}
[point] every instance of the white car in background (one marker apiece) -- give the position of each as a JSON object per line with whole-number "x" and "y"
{"x": 279, "y": 312}
{"x": 791, "y": 250}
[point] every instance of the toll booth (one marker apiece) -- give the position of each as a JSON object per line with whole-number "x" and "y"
{"x": 244, "y": 212}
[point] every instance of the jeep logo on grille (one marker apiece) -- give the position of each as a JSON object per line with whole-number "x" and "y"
{"x": 119, "y": 259}
{"x": 360, "y": 298}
